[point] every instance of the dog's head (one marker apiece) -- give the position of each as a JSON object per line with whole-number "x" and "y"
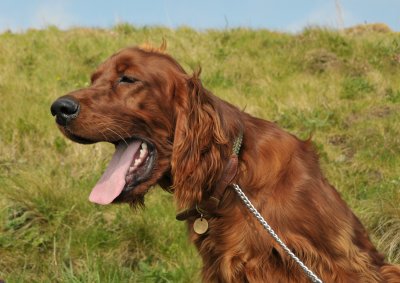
{"x": 157, "y": 116}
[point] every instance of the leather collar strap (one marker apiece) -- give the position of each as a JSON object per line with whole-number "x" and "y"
{"x": 210, "y": 205}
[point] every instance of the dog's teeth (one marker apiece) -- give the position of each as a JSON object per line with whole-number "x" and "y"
{"x": 142, "y": 153}
{"x": 131, "y": 169}
{"x": 144, "y": 145}
{"x": 137, "y": 162}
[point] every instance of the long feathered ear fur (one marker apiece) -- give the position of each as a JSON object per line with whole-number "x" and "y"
{"x": 200, "y": 144}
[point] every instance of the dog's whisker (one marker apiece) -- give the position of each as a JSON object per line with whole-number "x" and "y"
{"x": 118, "y": 135}
{"x": 121, "y": 128}
{"x": 109, "y": 127}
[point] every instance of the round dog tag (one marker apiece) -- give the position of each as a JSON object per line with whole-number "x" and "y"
{"x": 200, "y": 226}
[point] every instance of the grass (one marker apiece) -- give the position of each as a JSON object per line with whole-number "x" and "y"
{"x": 340, "y": 87}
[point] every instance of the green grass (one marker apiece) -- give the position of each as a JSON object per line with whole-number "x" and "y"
{"x": 340, "y": 87}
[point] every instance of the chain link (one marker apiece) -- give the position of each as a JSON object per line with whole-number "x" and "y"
{"x": 246, "y": 201}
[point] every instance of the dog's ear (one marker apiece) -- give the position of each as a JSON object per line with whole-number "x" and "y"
{"x": 199, "y": 143}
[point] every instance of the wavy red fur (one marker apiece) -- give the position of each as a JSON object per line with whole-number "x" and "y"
{"x": 193, "y": 132}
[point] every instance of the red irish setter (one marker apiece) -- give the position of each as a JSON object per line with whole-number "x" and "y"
{"x": 168, "y": 129}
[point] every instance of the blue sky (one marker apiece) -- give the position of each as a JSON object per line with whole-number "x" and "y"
{"x": 280, "y": 15}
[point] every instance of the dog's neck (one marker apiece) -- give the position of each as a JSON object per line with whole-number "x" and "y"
{"x": 210, "y": 204}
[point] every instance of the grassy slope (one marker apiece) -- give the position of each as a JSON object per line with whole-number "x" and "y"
{"x": 341, "y": 88}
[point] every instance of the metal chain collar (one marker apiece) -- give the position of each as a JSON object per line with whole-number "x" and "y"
{"x": 246, "y": 201}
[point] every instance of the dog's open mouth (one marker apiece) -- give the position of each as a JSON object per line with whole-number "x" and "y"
{"x": 131, "y": 164}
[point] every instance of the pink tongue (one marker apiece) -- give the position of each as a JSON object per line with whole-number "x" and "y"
{"x": 112, "y": 182}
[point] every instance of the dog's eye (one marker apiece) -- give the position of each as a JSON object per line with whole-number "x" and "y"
{"x": 127, "y": 79}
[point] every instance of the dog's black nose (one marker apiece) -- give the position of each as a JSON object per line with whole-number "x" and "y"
{"x": 65, "y": 109}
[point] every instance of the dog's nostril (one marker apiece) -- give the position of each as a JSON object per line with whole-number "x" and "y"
{"x": 65, "y": 108}
{"x": 68, "y": 110}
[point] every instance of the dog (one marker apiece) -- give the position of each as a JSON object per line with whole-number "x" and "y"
{"x": 169, "y": 130}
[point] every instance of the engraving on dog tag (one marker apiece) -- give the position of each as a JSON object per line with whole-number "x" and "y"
{"x": 200, "y": 226}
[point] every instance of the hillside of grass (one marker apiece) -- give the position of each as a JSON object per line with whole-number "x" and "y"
{"x": 343, "y": 88}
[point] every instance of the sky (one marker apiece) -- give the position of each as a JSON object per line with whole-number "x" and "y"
{"x": 277, "y": 15}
